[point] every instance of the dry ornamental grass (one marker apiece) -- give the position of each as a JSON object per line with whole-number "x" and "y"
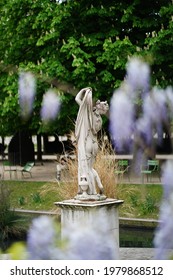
{"x": 105, "y": 167}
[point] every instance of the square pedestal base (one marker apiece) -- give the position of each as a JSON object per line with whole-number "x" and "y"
{"x": 74, "y": 211}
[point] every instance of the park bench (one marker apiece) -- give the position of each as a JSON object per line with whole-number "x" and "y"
{"x": 152, "y": 167}
{"x": 27, "y": 168}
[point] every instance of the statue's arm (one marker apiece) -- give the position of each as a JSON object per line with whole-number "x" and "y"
{"x": 80, "y": 95}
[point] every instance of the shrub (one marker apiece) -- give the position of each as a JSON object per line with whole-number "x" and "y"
{"x": 11, "y": 224}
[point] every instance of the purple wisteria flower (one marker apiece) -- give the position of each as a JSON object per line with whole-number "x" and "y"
{"x": 169, "y": 96}
{"x": 160, "y": 103}
{"x": 163, "y": 240}
{"x": 138, "y": 113}
{"x": 121, "y": 119}
{"x": 144, "y": 129}
{"x": 43, "y": 239}
{"x": 138, "y": 74}
{"x": 27, "y": 89}
{"x": 50, "y": 106}
{"x": 124, "y": 122}
{"x": 153, "y": 116}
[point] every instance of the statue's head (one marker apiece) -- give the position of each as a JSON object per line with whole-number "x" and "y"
{"x": 102, "y": 107}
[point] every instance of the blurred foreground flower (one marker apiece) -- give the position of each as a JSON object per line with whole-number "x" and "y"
{"x": 27, "y": 88}
{"x": 44, "y": 242}
{"x": 138, "y": 74}
{"x": 43, "y": 239}
{"x": 50, "y": 106}
{"x": 139, "y": 114}
{"x": 163, "y": 240}
{"x": 122, "y": 119}
{"x": 126, "y": 120}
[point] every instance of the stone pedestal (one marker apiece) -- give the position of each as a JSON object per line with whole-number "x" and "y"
{"x": 73, "y": 211}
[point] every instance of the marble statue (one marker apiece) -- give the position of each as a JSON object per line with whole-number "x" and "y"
{"x": 88, "y": 123}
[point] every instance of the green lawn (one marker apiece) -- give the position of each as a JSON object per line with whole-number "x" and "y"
{"x": 140, "y": 201}
{"x": 33, "y": 195}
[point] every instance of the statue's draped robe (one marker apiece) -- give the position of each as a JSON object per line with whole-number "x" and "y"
{"x": 84, "y": 125}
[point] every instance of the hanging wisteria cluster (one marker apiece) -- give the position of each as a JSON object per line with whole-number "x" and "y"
{"x": 139, "y": 112}
{"x": 136, "y": 94}
{"x": 27, "y": 91}
{"x": 50, "y": 106}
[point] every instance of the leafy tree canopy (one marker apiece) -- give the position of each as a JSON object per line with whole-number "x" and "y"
{"x": 74, "y": 44}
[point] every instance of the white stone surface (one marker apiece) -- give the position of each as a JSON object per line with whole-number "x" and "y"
{"x": 73, "y": 212}
{"x": 88, "y": 124}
